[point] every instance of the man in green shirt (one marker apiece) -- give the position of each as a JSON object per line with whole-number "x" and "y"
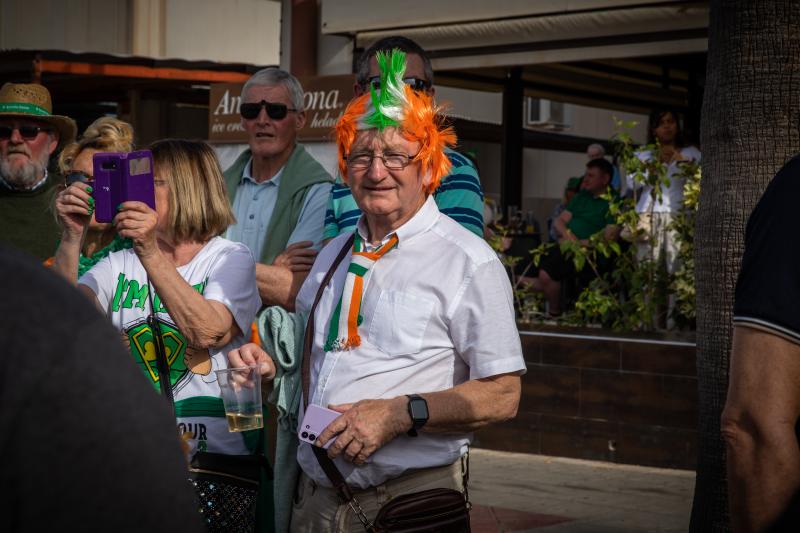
{"x": 29, "y": 134}
{"x": 586, "y": 214}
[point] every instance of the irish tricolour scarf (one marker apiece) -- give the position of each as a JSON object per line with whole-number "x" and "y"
{"x": 343, "y": 329}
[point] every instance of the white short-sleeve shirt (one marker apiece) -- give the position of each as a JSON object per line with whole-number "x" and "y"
{"x": 672, "y": 196}
{"x": 222, "y": 271}
{"x": 438, "y": 311}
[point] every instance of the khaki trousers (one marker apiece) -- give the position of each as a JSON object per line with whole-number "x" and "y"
{"x": 318, "y": 509}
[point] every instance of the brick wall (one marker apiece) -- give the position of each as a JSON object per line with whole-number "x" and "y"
{"x": 591, "y": 395}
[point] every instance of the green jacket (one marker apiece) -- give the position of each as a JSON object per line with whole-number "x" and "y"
{"x": 300, "y": 173}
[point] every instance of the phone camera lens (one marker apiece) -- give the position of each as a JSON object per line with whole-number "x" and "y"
{"x": 304, "y": 434}
{"x": 312, "y": 437}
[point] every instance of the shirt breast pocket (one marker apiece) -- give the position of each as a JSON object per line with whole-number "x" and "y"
{"x": 399, "y": 322}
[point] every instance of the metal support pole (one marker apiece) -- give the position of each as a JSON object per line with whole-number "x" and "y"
{"x": 512, "y": 145}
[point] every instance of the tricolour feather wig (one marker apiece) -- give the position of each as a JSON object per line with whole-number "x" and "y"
{"x": 395, "y": 104}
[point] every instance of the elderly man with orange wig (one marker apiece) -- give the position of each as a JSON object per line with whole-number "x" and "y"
{"x": 413, "y": 337}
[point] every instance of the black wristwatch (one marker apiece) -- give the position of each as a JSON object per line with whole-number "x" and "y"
{"x": 418, "y": 411}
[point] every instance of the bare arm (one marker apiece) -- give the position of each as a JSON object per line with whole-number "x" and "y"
{"x": 278, "y": 285}
{"x": 67, "y": 256}
{"x": 758, "y": 425}
{"x": 560, "y": 226}
{"x": 473, "y": 404}
{"x": 74, "y": 207}
{"x": 610, "y": 233}
{"x": 368, "y": 425}
{"x": 205, "y": 323}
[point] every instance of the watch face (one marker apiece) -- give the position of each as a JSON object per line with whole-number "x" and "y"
{"x": 418, "y": 408}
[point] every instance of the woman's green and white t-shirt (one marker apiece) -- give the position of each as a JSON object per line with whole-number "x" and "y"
{"x": 222, "y": 271}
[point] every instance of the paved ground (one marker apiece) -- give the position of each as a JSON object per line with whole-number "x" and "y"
{"x": 521, "y": 492}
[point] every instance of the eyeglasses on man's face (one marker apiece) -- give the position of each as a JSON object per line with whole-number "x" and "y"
{"x": 418, "y": 84}
{"x": 275, "y": 111}
{"x": 26, "y": 131}
{"x": 391, "y": 160}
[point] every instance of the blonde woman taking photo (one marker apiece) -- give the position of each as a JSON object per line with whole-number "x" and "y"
{"x": 198, "y": 287}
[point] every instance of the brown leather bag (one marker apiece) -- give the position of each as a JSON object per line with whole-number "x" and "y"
{"x": 434, "y": 510}
{"x": 430, "y": 511}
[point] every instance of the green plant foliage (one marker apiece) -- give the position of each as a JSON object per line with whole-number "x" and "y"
{"x": 634, "y": 295}
{"x": 682, "y": 286}
{"x": 528, "y": 303}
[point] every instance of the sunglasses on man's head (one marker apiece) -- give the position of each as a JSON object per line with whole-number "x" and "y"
{"x": 274, "y": 111}
{"x": 417, "y": 84}
{"x": 26, "y": 132}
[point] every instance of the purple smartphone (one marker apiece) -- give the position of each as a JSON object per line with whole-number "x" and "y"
{"x": 121, "y": 177}
{"x": 315, "y": 421}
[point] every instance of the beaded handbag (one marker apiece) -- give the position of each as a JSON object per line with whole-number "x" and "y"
{"x": 227, "y": 486}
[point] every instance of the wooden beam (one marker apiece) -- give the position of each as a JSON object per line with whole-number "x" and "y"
{"x": 304, "y": 21}
{"x": 469, "y": 130}
{"x": 139, "y": 71}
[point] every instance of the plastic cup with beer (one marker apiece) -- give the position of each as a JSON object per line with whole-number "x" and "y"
{"x": 241, "y": 395}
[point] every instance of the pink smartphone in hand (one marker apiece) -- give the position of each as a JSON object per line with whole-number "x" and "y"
{"x": 315, "y": 421}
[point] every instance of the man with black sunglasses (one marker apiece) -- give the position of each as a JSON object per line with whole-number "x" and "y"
{"x": 459, "y": 195}
{"x": 29, "y": 135}
{"x": 277, "y": 189}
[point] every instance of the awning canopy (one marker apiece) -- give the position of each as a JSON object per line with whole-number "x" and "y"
{"x": 525, "y": 33}
{"x": 620, "y": 54}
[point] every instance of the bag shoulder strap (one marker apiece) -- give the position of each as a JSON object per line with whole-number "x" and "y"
{"x": 161, "y": 354}
{"x": 325, "y": 462}
{"x": 308, "y": 337}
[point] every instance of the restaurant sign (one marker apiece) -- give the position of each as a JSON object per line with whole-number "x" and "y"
{"x": 324, "y": 99}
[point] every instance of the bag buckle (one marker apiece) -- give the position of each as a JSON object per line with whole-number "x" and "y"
{"x": 361, "y": 515}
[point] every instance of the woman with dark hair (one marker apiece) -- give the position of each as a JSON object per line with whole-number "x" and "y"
{"x": 668, "y": 119}
{"x": 664, "y": 130}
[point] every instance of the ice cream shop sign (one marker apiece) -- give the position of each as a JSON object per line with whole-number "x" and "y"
{"x": 324, "y": 100}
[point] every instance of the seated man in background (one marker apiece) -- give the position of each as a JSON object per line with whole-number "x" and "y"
{"x": 586, "y": 215}
{"x": 597, "y": 151}
{"x": 459, "y": 195}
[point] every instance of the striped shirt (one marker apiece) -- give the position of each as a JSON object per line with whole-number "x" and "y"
{"x": 459, "y": 196}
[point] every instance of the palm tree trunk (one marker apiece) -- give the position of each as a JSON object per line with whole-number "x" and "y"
{"x": 750, "y": 128}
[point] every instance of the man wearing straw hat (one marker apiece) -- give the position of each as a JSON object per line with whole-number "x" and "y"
{"x": 29, "y": 134}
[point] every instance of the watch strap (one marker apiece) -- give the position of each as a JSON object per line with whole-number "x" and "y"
{"x": 415, "y": 422}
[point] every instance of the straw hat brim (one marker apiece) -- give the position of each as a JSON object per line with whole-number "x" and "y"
{"x": 66, "y": 127}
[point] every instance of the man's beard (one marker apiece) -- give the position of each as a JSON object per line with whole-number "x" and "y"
{"x": 26, "y": 175}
